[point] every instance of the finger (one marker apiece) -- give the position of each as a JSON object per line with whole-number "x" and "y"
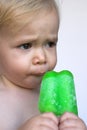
{"x": 49, "y": 120}
{"x": 71, "y": 121}
{"x": 68, "y": 115}
{"x": 42, "y": 127}
{"x": 51, "y": 116}
{"x": 49, "y": 125}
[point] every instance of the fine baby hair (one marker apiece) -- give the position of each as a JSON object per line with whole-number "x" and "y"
{"x": 17, "y": 13}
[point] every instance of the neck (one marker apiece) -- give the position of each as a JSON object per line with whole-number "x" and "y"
{"x": 6, "y": 84}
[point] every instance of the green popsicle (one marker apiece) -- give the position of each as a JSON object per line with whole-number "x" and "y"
{"x": 57, "y": 93}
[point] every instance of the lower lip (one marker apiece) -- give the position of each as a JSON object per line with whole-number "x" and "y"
{"x": 39, "y": 74}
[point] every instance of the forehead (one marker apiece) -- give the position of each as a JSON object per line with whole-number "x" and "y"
{"x": 20, "y": 12}
{"x": 43, "y": 21}
{"x": 37, "y": 18}
{"x": 41, "y": 25}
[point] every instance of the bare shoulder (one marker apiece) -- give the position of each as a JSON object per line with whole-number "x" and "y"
{"x": 16, "y": 107}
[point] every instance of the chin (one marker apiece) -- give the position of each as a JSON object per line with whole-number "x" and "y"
{"x": 33, "y": 84}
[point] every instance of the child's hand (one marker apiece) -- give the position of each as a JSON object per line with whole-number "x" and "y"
{"x": 46, "y": 121}
{"x": 69, "y": 121}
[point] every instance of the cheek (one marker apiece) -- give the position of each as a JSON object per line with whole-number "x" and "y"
{"x": 54, "y": 64}
{"x": 53, "y": 61}
{"x": 12, "y": 66}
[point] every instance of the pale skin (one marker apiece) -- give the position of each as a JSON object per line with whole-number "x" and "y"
{"x": 24, "y": 58}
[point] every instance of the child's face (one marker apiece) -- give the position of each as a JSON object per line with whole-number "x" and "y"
{"x": 25, "y": 57}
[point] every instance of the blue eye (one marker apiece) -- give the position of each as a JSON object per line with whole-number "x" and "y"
{"x": 26, "y": 46}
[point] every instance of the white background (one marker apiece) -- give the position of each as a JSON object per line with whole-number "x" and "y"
{"x": 72, "y": 48}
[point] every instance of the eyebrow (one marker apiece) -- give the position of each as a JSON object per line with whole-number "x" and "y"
{"x": 30, "y": 38}
{"x": 53, "y": 37}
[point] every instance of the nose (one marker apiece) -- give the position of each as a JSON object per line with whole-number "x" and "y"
{"x": 39, "y": 56}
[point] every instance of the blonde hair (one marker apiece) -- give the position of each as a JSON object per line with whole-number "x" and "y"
{"x": 11, "y": 11}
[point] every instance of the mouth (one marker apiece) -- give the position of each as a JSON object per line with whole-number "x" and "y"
{"x": 39, "y": 74}
{"x": 39, "y": 71}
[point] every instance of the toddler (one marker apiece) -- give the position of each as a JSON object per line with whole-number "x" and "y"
{"x": 28, "y": 40}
